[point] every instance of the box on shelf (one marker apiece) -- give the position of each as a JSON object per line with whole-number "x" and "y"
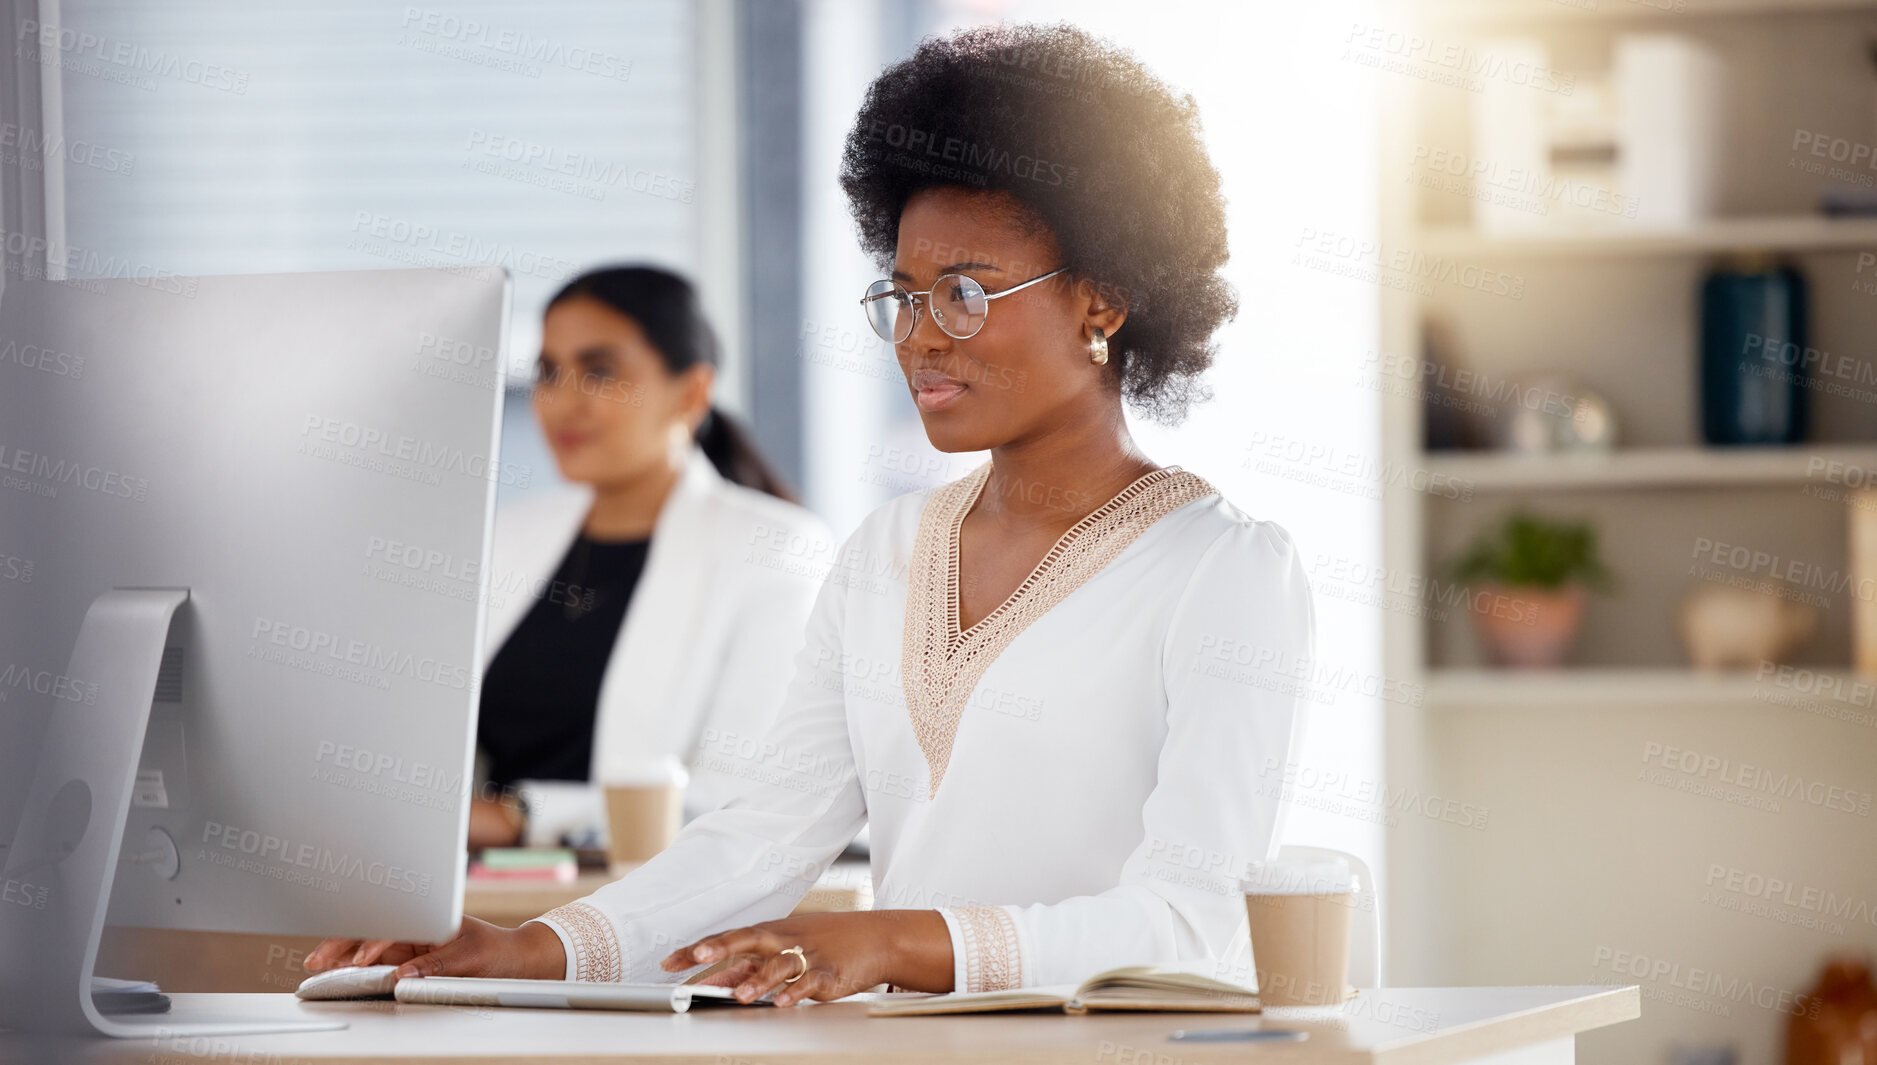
{"x": 1636, "y": 143}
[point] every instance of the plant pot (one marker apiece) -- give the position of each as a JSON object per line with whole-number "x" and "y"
{"x": 1529, "y": 627}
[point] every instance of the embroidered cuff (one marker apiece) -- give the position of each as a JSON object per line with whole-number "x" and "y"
{"x": 588, "y": 938}
{"x": 986, "y": 954}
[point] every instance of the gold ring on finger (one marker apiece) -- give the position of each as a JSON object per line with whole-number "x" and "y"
{"x": 801, "y": 957}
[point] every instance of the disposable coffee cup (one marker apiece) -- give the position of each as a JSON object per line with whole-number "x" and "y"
{"x": 1300, "y": 915}
{"x": 644, "y": 808}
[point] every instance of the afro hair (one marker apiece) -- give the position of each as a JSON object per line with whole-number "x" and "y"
{"x": 1096, "y": 148}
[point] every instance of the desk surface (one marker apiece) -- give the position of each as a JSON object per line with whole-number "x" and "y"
{"x": 1390, "y": 1026}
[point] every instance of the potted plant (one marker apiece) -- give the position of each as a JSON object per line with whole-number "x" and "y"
{"x": 1535, "y": 575}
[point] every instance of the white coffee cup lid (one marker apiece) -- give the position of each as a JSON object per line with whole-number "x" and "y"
{"x": 645, "y": 773}
{"x": 1291, "y": 877}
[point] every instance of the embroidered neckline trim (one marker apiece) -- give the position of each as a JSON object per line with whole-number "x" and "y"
{"x": 940, "y": 662}
{"x": 977, "y": 480}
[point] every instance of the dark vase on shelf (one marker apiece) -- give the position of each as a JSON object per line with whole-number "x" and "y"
{"x": 1753, "y": 374}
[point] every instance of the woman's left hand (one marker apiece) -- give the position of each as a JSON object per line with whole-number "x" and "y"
{"x": 846, "y": 953}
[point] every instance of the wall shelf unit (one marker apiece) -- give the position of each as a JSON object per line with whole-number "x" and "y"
{"x": 1848, "y": 466}
{"x": 1771, "y": 233}
{"x": 1589, "y": 844}
{"x": 1614, "y": 308}
{"x": 1565, "y": 688}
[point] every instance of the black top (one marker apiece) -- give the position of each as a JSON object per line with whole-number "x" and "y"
{"x": 541, "y": 694}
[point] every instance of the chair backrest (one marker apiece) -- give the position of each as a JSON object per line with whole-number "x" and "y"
{"x": 1365, "y": 930}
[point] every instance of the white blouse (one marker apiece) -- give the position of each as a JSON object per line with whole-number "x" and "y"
{"x": 1071, "y": 782}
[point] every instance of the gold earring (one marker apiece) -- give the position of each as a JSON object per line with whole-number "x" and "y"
{"x": 1098, "y": 346}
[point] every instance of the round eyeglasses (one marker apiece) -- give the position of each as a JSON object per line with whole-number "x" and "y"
{"x": 958, "y": 303}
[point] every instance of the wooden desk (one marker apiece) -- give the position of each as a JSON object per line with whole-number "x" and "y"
{"x": 228, "y": 961}
{"x": 1391, "y": 1026}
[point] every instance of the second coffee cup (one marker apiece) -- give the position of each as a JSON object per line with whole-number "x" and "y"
{"x": 644, "y": 809}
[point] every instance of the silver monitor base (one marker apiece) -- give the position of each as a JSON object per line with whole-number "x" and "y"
{"x": 66, "y": 848}
{"x": 187, "y": 1023}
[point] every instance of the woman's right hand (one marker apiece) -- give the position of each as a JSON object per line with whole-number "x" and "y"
{"x": 531, "y": 952}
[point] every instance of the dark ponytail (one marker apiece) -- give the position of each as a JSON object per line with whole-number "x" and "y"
{"x": 667, "y": 310}
{"x": 731, "y": 450}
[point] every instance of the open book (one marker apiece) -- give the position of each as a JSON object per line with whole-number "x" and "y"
{"x": 1144, "y": 987}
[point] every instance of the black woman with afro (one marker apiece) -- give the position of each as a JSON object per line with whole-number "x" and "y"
{"x": 1054, "y": 689}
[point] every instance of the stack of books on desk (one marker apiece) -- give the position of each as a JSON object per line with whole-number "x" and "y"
{"x": 539, "y": 864}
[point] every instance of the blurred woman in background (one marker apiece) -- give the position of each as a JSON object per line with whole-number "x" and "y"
{"x": 666, "y": 587}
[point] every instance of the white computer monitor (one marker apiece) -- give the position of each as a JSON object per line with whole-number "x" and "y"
{"x": 244, "y": 544}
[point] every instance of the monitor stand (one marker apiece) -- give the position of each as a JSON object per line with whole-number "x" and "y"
{"x": 64, "y": 855}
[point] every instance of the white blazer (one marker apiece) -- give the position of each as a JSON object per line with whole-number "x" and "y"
{"x": 708, "y": 640}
